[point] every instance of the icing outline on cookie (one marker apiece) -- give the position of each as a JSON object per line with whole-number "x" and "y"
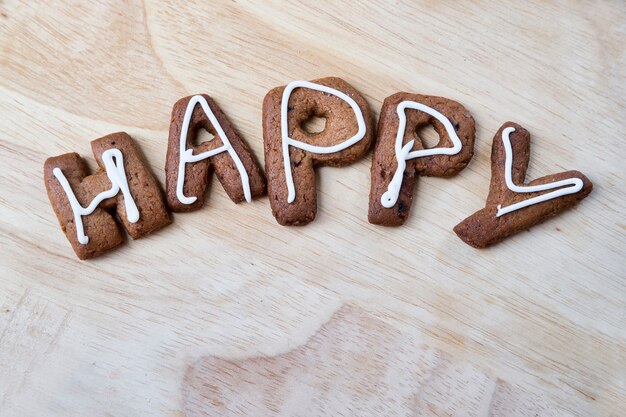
{"x": 404, "y": 153}
{"x": 114, "y": 167}
{"x": 287, "y": 141}
{"x": 575, "y": 184}
{"x": 187, "y": 156}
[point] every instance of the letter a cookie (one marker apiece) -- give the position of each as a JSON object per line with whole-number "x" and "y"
{"x": 188, "y": 167}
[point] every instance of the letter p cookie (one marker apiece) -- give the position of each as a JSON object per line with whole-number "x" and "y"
{"x": 291, "y": 152}
{"x": 400, "y": 156}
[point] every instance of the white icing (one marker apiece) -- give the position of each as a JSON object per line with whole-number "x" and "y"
{"x": 287, "y": 141}
{"x": 575, "y": 184}
{"x": 187, "y": 156}
{"x": 114, "y": 166}
{"x": 404, "y": 153}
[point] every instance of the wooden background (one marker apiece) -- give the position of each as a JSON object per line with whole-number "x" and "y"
{"x": 226, "y": 313}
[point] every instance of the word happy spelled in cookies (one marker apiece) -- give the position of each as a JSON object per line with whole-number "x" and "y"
{"x": 124, "y": 191}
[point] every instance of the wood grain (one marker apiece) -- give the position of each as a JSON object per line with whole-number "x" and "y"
{"x": 355, "y": 365}
{"x": 367, "y": 321}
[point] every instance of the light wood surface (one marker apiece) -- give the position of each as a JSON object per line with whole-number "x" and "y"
{"x": 226, "y": 313}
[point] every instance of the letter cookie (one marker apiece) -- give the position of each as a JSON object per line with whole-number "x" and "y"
{"x": 511, "y": 205}
{"x": 400, "y": 155}
{"x": 291, "y": 153}
{"x": 188, "y": 167}
{"x": 84, "y": 203}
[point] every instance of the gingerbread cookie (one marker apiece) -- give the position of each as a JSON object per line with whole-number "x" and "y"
{"x": 400, "y": 155}
{"x": 188, "y": 167}
{"x": 84, "y": 203}
{"x": 291, "y": 153}
{"x": 510, "y": 207}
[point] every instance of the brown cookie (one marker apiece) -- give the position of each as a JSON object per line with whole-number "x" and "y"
{"x": 118, "y": 158}
{"x": 509, "y": 211}
{"x": 391, "y": 192}
{"x": 347, "y": 137}
{"x": 227, "y": 154}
